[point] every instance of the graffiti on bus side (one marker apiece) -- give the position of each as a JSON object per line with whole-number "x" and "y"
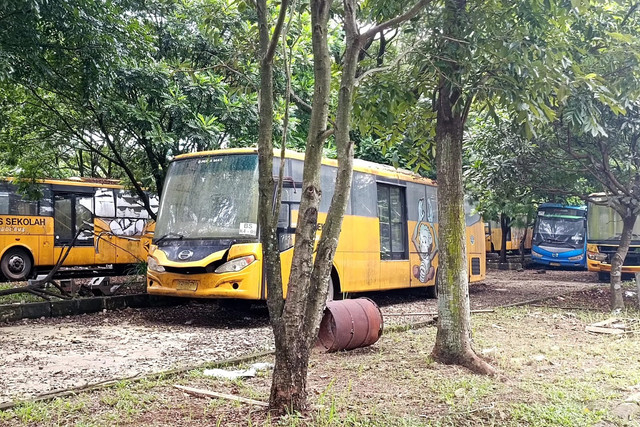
{"x": 425, "y": 241}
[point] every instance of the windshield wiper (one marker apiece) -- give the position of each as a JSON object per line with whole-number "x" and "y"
{"x": 166, "y": 236}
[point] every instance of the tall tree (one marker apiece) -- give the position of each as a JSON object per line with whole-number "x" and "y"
{"x": 296, "y": 320}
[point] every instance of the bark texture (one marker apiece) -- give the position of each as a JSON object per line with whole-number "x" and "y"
{"x": 294, "y": 322}
{"x": 453, "y": 339}
{"x": 628, "y": 222}
{"x": 504, "y": 228}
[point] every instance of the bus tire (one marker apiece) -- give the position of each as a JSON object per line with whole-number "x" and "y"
{"x": 16, "y": 264}
{"x": 333, "y": 293}
{"x": 431, "y": 292}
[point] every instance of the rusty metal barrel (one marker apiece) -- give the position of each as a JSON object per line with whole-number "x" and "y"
{"x": 350, "y": 324}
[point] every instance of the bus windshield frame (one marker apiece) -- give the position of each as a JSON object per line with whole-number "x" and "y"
{"x": 227, "y": 203}
{"x": 561, "y": 227}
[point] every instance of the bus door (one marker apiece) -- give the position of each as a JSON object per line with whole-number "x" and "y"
{"x": 73, "y": 213}
{"x": 394, "y": 242}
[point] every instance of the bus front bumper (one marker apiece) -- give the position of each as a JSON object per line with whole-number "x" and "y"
{"x": 598, "y": 266}
{"x": 244, "y": 284}
{"x": 554, "y": 262}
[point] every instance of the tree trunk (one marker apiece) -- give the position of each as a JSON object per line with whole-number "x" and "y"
{"x": 523, "y": 241}
{"x": 504, "y": 228}
{"x": 453, "y": 339}
{"x": 291, "y": 323}
{"x": 296, "y": 322}
{"x": 628, "y": 222}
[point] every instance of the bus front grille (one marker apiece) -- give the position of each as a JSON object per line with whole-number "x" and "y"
{"x": 632, "y": 258}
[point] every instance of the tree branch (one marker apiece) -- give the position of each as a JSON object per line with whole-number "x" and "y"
{"x": 276, "y": 32}
{"x": 394, "y": 21}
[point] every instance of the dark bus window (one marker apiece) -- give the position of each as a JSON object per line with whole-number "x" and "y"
{"x": 393, "y": 227}
{"x": 45, "y": 206}
{"x": 63, "y": 219}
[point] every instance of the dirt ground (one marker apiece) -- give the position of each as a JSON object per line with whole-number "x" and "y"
{"x": 53, "y": 354}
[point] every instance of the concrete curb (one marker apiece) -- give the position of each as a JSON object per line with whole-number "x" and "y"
{"x": 35, "y": 310}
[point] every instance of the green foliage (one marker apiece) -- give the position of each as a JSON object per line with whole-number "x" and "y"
{"x": 124, "y": 87}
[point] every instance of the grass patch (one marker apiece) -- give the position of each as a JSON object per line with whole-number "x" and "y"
{"x": 552, "y": 373}
{"x": 20, "y": 298}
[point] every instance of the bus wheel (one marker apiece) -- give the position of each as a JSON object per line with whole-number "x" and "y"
{"x": 333, "y": 293}
{"x": 431, "y": 292}
{"x": 16, "y": 264}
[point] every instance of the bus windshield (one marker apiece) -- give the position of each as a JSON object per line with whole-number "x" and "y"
{"x": 605, "y": 224}
{"x": 210, "y": 197}
{"x": 557, "y": 230}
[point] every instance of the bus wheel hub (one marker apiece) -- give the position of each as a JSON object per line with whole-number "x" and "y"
{"x": 16, "y": 264}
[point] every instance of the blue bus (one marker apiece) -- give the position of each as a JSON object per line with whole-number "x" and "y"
{"x": 560, "y": 236}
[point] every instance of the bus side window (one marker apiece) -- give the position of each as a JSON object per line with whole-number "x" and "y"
{"x": 62, "y": 219}
{"x": 393, "y": 222}
{"x": 4, "y": 203}
{"x": 84, "y": 217}
{"x": 363, "y": 195}
{"x": 285, "y": 234}
{"x": 105, "y": 203}
{"x": 283, "y": 218}
{"x": 45, "y": 206}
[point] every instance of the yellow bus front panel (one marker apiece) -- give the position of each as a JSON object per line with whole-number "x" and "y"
{"x": 243, "y": 284}
{"x": 596, "y": 263}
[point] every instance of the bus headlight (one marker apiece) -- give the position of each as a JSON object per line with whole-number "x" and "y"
{"x": 235, "y": 264}
{"x": 597, "y": 256}
{"x": 152, "y": 264}
{"x": 575, "y": 258}
{"x": 536, "y": 254}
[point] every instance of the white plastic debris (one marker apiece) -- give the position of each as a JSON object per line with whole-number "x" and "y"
{"x": 239, "y": 373}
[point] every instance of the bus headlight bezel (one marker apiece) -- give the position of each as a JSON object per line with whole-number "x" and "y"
{"x": 235, "y": 265}
{"x": 597, "y": 256}
{"x": 152, "y": 264}
{"x": 576, "y": 258}
{"x": 535, "y": 254}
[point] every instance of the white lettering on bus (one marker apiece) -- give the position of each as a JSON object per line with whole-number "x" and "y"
{"x": 22, "y": 221}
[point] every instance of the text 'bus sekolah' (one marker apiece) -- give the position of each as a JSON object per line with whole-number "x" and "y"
{"x": 100, "y": 223}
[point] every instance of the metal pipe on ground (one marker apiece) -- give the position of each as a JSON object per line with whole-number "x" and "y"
{"x": 350, "y": 324}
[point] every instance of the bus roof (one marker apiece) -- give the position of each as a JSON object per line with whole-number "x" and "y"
{"x": 560, "y": 205}
{"x": 358, "y": 164}
{"x": 78, "y": 181}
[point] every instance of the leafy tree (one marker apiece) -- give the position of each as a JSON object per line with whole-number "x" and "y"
{"x": 296, "y": 320}
{"x": 492, "y": 57}
{"x": 156, "y": 81}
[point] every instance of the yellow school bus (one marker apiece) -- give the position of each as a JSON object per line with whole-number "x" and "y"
{"x": 493, "y": 237}
{"x": 207, "y": 242}
{"x": 101, "y": 223}
{"x": 604, "y": 231}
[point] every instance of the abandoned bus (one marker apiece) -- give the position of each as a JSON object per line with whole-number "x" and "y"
{"x": 515, "y": 235}
{"x": 604, "y": 226}
{"x": 100, "y": 223}
{"x": 207, "y": 242}
{"x": 560, "y": 236}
